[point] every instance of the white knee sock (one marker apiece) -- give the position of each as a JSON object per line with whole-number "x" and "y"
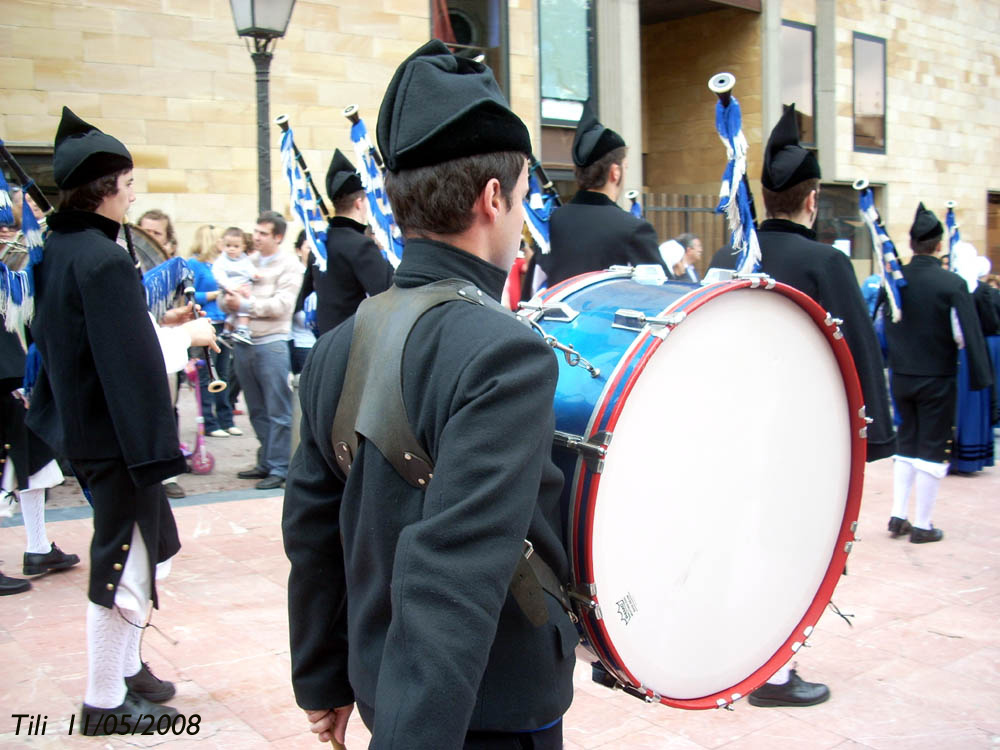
{"x": 903, "y": 475}
{"x": 108, "y": 636}
{"x": 133, "y": 657}
{"x": 33, "y": 512}
{"x": 927, "y": 489}
{"x": 781, "y": 676}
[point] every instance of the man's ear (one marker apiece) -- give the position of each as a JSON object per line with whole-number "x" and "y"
{"x": 615, "y": 174}
{"x": 492, "y": 200}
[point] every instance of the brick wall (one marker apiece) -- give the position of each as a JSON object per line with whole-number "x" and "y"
{"x": 683, "y": 150}
{"x": 171, "y": 79}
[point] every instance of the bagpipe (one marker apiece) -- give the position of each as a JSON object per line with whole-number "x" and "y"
{"x": 735, "y": 198}
{"x": 890, "y": 272}
{"x": 372, "y": 170}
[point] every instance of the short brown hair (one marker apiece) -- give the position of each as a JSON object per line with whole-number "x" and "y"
{"x": 345, "y": 202}
{"x": 791, "y": 200}
{"x": 925, "y": 247}
{"x": 235, "y": 232}
{"x": 90, "y": 195}
{"x": 596, "y": 175}
{"x": 438, "y": 199}
{"x": 276, "y": 220}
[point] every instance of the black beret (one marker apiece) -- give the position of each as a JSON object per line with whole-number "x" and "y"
{"x": 592, "y": 139}
{"x": 440, "y": 107}
{"x": 342, "y": 178}
{"x": 786, "y": 163}
{"x": 925, "y": 225}
{"x": 83, "y": 153}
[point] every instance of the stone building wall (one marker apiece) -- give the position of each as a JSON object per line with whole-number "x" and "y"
{"x": 172, "y": 80}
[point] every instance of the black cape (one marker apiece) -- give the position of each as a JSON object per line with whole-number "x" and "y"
{"x": 591, "y": 233}
{"x": 399, "y": 597}
{"x": 922, "y": 342}
{"x": 791, "y": 255}
{"x": 355, "y": 269}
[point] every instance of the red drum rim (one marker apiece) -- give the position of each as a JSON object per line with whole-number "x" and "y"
{"x": 593, "y": 627}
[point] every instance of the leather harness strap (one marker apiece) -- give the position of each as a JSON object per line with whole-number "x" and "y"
{"x": 371, "y": 406}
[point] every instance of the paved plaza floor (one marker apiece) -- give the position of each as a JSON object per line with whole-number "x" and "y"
{"x": 920, "y": 668}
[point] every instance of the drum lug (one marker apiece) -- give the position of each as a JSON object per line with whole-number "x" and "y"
{"x": 593, "y": 450}
{"x": 634, "y": 320}
{"x": 583, "y": 594}
{"x": 557, "y": 311}
{"x": 848, "y": 547}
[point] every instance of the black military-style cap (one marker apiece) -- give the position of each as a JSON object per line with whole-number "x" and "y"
{"x": 925, "y": 225}
{"x": 786, "y": 163}
{"x": 440, "y": 107}
{"x": 592, "y": 139}
{"x": 342, "y": 178}
{"x": 83, "y": 153}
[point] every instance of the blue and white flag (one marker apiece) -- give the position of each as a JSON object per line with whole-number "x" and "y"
{"x": 6, "y": 207}
{"x": 387, "y": 234}
{"x": 636, "y": 209}
{"x": 953, "y": 234}
{"x": 889, "y": 268}
{"x": 162, "y": 281}
{"x": 538, "y": 208}
{"x": 734, "y": 195}
{"x": 17, "y": 288}
{"x": 303, "y": 202}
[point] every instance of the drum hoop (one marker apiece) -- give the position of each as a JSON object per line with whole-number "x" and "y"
{"x": 590, "y": 484}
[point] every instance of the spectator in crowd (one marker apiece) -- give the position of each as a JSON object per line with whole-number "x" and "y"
{"x": 264, "y": 364}
{"x": 692, "y": 254}
{"x": 234, "y": 272}
{"x": 157, "y": 225}
{"x": 304, "y": 319}
{"x": 215, "y": 408}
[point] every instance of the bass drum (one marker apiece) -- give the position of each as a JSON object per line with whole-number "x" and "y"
{"x": 712, "y": 439}
{"x": 148, "y": 250}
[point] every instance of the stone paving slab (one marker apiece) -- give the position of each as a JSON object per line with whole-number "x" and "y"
{"x": 920, "y": 668}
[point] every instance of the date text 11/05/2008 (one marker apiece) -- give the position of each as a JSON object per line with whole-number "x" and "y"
{"x": 36, "y": 724}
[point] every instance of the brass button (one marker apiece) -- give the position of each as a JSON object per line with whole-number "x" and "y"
{"x": 111, "y": 587}
{"x": 124, "y": 548}
{"x": 6, "y": 446}
{"x": 117, "y": 566}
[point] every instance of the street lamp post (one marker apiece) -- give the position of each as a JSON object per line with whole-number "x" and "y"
{"x": 263, "y": 21}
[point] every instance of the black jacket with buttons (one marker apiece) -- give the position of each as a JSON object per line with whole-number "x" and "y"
{"x": 399, "y": 597}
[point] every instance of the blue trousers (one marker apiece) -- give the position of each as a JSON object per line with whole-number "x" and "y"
{"x": 263, "y": 372}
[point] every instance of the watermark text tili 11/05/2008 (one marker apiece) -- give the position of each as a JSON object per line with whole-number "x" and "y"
{"x": 162, "y": 724}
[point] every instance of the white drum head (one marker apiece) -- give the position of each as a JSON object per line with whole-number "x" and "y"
{"x": 734, "y": 450}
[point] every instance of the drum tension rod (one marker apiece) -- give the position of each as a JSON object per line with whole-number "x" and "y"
{"x": 573, "y": 358}
{"x": 593, "y": 449}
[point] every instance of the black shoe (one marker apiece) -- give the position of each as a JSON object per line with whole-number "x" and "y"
{"x": 795, "y": 692}
{"x": 253, "y": 473}
{"x": 104, "y": 721}
{"x": 10, "y": 585}
{"x": 149, "y": 686}
{"x": 899, "y": 526}
{"x": 36, "y": 563}
{"x": 272, "y": 482}
{"x": 922, "y": 536}
{"x": 174, "y": 490}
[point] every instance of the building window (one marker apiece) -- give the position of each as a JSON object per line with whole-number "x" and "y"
{"x": 869, "y": 93}
{"x": 839, "y": 223}
{"x": 566, "y": 58}
{"x": 798, "y": 75}
{"x": 472, "y": 28}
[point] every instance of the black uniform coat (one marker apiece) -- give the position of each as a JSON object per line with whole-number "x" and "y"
{"x": 791, "y": 255}
{"x": 102, "y": 398}
{"x": 355, "y": 269}
{"x": 399, "y": 597}
{"x": 922, "y": 342}
{"x": 987, "y": 301}
{"x": 591, "y": 233}
{"x": 17, "y": 442}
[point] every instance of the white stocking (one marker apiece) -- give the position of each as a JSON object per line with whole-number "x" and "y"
{"x": 133, "y": 655}
{"x": 927, "y": 489}
{"x": 33, "y": 512}
{"x": 781, "y": 676}
{"x": 903, "y": 475}
{"x": 108, "y": 636}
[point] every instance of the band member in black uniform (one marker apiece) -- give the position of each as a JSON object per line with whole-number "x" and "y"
{"x": 27, "y": 469}
{"x": 592, "y": 232}
{"x": 355, "y": 267}
{"x": 923, "y": 358}
{"x": 399, "y": 593}
{"x": 102, "y": 400}
{"x": 790, "y": 254}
